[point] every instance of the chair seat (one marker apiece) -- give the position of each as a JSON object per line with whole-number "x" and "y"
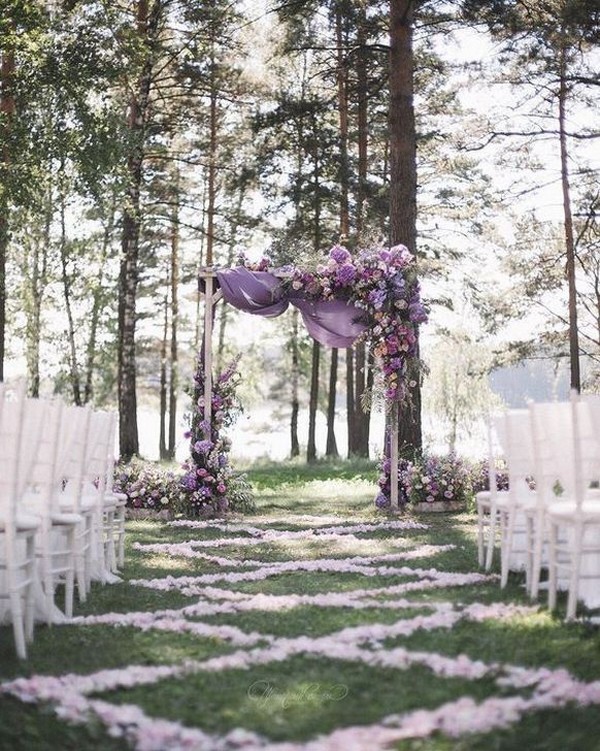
{"x": 504, "y": 501}
{"x": 67, "y": 519}
{"x": 23, "y": 523}
{"x": 86, "y": 505}
{"x": 119, "y": 497}
{"x": 567, "y": 510}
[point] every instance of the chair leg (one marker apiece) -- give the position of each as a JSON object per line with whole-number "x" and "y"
{"x": 110, "y": 558}
{"x": 88, "y": 543}
{"x": 70, "y": 572}
{"x": 574, "y": 577}
{"x": 536, "y": 560}
{"x": 552, "y": 567}
{"x": 480, "y": 540}
{"x": 121, "y": 537}
{"x": 79, "y": 563}
{"x": 30, "y": 591}
{"x": 16, "y": 610}
{"x": 491, "y": 543}
{"x": 47, "y": 576}
{"x": 529, "y": 554}
{"x": 507, "y": 543}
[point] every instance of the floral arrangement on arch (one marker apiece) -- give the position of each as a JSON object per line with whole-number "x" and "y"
{"x": 383, "y": 283}
{"x": 208, "y": 477}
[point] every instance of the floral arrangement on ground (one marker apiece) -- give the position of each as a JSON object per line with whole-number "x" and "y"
{"x": 439, "y": 481}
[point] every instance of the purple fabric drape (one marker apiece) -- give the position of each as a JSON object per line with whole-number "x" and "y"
{"x": 333, "y": 323}
{"x": 256, "y": 292}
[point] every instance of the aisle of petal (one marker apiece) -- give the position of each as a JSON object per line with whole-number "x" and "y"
{"x": 413, "y": 595}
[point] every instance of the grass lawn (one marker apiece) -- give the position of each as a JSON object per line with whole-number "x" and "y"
{"x": 332, "y": 628}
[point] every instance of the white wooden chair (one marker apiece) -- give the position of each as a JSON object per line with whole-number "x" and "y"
{"x": 118, "y": 502}
{"x": 552, "y": 433}
{"x": 487, "y": 506}
{"x": 114, "y": 504}
{"x": 17, "y": 530}
{"x": 574, "y": 521}
{"x": 100, "y": 446}
{"x": 514, "y": 434}
{"x": 57, "y": 538}
{"x": 71, "y": 468}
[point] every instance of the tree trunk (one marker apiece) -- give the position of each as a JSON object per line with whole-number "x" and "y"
{"x": 362, "y": 123}
{"x": 7, "y": 110}
{"x": 361, "y": 418}
{"x": 225, "y": 310}
{"x": 331, "y": 449}
{"x": 311, "y": 450}
{"x": 350, "y": 404}
{"x": 568, "y": 225}
{"x": 403, "y": 178}
{"x": 67, "y": 289}
{"x": 147, "y": 25}
{"x": 201, "y": 263}
{"x": 97, "y": 305}
{"x": 342, "y": 92}
{"x": 162, "y": 437}
{"x": 174, "y": 351}
{"x": 212, "y": 171}
{"x": 295, "y": 377}
{"x": 36, "y": 272}
{"x": 344, "y": 173}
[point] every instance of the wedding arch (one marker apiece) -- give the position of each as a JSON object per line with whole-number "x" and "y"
{"x": 372, "y": 295}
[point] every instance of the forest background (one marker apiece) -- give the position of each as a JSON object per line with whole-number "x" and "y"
{"x": 142, "y": 140}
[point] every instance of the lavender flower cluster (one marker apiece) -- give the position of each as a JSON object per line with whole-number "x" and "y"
{"x": 208, "y": 473}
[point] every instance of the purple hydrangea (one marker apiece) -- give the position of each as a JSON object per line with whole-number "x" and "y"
{"x": 377, "y": 298}
{"x": 203, "y": 447}
{"x": 345, "y": 274}
{"x": 417, "y": 312}
{"x": 339, "y": 254}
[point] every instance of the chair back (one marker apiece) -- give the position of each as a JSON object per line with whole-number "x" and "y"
{"x": 72, "y": 454}
{"x": 99, "y": 449}
{"x": 566, "y": 449}
{"x": 514, "y": 435}
{"x": 21, "y": 428}
{"x": 42, "y": 481}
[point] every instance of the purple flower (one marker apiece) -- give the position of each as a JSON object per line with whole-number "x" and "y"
{"x": 377, "y": 298}
{"x": 417, "y": 312}
{"x": 339, "y": 254}
{"x": 345, "y": 274}
{"x": 203, "y": 447}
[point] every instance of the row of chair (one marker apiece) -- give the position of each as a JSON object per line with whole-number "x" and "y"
{"x": 549, "y": 517}
{"x": 60, "y": 521}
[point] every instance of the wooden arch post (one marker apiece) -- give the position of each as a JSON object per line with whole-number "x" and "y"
{"x": 394, "y": 412}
